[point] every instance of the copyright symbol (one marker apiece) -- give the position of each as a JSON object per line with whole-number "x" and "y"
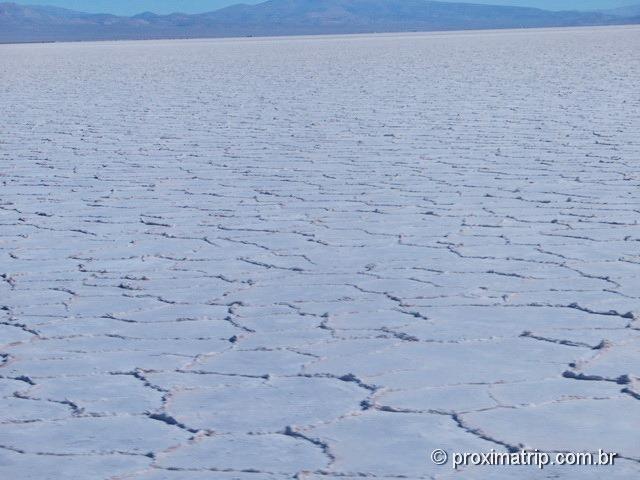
{"x": 439, "y": 457}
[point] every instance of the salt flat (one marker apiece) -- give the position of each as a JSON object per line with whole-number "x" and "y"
{"x": 319, "y": 258}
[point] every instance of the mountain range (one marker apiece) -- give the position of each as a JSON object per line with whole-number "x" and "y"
{"x": 20, "y": 23}
{"x": 632, "y": 11}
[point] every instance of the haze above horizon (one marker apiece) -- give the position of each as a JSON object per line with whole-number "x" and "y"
{"x": 132, "y": 7}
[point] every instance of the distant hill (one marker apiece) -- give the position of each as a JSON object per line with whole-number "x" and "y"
{"x": 632, "y": 11}
{"x": 19, "y": 23}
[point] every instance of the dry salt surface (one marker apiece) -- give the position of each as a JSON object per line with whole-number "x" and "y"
{"x": 319, "y": 258}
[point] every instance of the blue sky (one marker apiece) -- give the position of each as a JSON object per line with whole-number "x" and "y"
{"x": 130, "y": 7}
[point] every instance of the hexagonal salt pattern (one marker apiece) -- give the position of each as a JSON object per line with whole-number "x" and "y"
{"x": 319, "y": 258}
